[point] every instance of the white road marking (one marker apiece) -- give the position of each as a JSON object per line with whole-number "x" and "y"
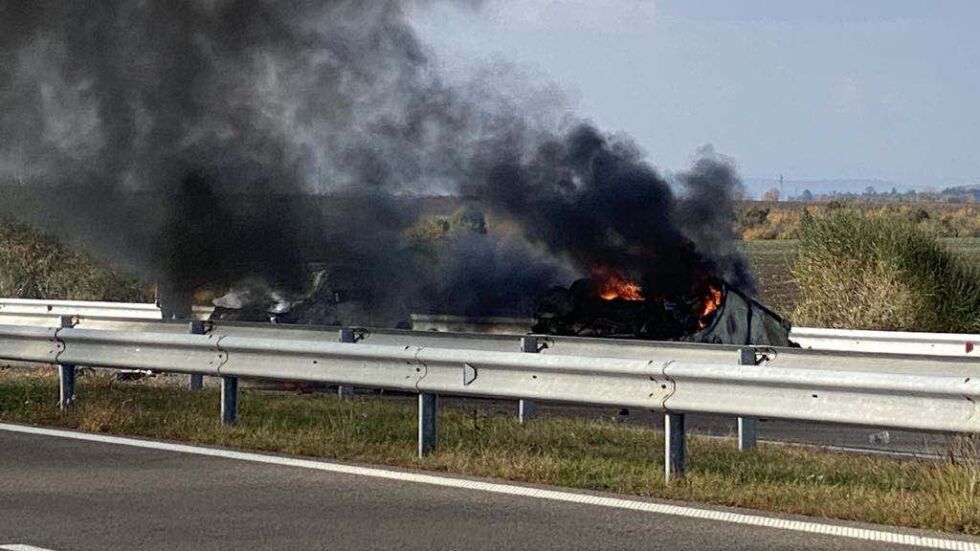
{"x": 19, "y": 547}
{"x": 882, "y": 536}
{"x": 845, "y": 449}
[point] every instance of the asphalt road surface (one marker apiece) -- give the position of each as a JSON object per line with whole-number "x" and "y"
{"x": 69, "y": 495}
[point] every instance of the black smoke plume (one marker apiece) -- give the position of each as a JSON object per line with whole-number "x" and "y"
{"x": 595, "y": 201}
{"x": 211, "y": 142}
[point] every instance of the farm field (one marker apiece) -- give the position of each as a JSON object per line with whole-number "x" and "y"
{"x": 771, "y": 261}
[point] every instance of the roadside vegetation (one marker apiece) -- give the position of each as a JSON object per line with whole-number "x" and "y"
{"x": 772, "y": 262}
{"x": 764, "y": 221}
{"x": 35, "y": 265}
{"x": 575, "y": 453}
{"x": 864, "y": 270}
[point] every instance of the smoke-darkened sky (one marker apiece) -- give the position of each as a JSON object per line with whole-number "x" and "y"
{"x": 205, "y": 143}
{"x": 876, "y": 89}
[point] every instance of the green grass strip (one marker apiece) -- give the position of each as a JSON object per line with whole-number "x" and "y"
{"x": 575, "y": 453}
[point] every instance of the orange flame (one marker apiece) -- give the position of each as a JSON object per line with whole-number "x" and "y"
{"x": 710, "y": 304}
{"x": 613, "y": 285}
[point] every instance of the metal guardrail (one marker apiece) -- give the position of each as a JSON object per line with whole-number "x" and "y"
{"x": 550, "y": 346}
{"x": 927, "y": 402}
{"x": 889, "y": 342}
{"x": 112, "y": 315}
{"x": 98, "y": 316}
{"x": 11, "y": 308}
{"x": 824, "y": 349}
{"x": 670, "y": 382}
{"x": 621, "y": 349}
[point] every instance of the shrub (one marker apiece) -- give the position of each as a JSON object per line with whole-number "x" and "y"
{"x": 878, "y": 271}
{"x": 34, "y": 265}
{"x": 462, "y": 221}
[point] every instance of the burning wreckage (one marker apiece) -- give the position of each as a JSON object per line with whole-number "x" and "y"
{"x": 607, "y": 304}
{"x": 612, "y": 307}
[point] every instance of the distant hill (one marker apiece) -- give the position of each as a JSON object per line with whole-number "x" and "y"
{"x": 793, "y": 188}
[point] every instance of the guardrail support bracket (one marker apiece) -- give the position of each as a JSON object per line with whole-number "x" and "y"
{"x": 747, "y": 434}
{"x": 675, "y": 446}
{"x": 428, "y": 406}
{"x": 66, "y": 382}
{"x": 229, "y": 400}
{"x": 197, "y": 380}
{"x": 346, "y": 334}
{"x": 66, "y": 374}
{"x": 525, "y": 411}
{"x": 526, "y": 408}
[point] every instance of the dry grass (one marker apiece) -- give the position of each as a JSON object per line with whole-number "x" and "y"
{"x": 881, "y": 272}
{"x": 771, "y": 262}
{"x": 591, "y": 455}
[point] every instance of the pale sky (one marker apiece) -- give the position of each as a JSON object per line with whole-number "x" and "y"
{"x": 835, "y": 89}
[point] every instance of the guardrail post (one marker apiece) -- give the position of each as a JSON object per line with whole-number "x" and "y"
{"x": 346, "y": 335}
{"x": 747, "y": 434}
{"x": 229, "y": 400}
{"x": 428, "y": 405}
{"x": 197, "y": 380}
{"x": 526, "y": 408}
{"x": 675, "y": 447}
{"x": 66, "y": 374}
